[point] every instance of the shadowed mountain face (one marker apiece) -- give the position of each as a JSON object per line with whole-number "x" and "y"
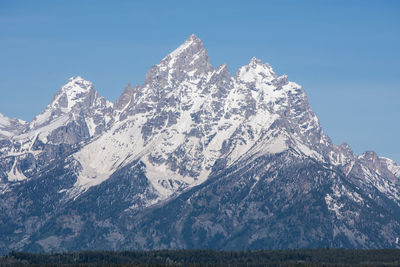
{"x": 192, "y": 158}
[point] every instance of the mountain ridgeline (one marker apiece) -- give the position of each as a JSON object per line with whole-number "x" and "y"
{"x": 193, "y": 158}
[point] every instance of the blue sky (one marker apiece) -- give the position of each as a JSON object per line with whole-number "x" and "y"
{"x": 345, "y": 54}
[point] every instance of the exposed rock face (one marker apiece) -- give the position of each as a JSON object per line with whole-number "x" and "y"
{"x": 192, "y": 158}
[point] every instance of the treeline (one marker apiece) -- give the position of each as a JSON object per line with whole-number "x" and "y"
{"x": 303, "y": 257}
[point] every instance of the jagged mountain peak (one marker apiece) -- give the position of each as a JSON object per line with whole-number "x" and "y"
{"x": 192, "y": 44}
{"x": 392, "y": 166}
{"x": 382, "y": 166}
{"x": 256, "y": 71}
{"x": 70, "y": 94}
{"x": 76, "y": 79}
{"x": 193, "y": 38}
{"x": 10, "y": 127}
{"x": 189, "y": 60}
{"x": 222, "y": 73}
{"x": 223, "y": 69}
{"x": 191, "y": 52}
{"x": 369, "y": 155}
{"x": 125, "y": 99}
{"x": 6, "y": 121}
{"x": 74, "y": 89}
{"x": 75, "y": 114}
{"x": 76, "y": 108}
{"x": 346, "y": 150}
{"x": 255, "y": 61}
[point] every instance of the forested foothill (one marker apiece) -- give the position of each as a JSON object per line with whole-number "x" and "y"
{"x": 303, "y": 257}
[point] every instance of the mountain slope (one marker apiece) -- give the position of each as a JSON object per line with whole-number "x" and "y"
{"x": 10, "y": 127}
{"x": 275, "y": 202}
{"x": 76, "y": 114}
{"x": 192, "y": 158}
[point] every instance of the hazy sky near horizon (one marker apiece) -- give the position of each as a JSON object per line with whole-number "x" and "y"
{"x": 345, "y": 54}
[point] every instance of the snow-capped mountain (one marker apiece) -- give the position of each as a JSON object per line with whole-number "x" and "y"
{"x": 76, "y": 114}
{"x": 10, "y": 127}
{"x": 78, "y": 109}
{"x": 187, "y": 115}
{"x": 192, "y": 158}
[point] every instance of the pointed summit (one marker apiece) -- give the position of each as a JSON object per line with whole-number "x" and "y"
{"x": 193, "y": 43}
{"x": 189, "y": 60}
{"x": 75, "y": 78}
{"x": 77, "y": 96}
{"x": 188, "y": 55}
{"x": 77, "y": 81}
{"x": 255, "y": 61}
{"x": 193, "y": 37}
{"x": 73, "y": 92}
